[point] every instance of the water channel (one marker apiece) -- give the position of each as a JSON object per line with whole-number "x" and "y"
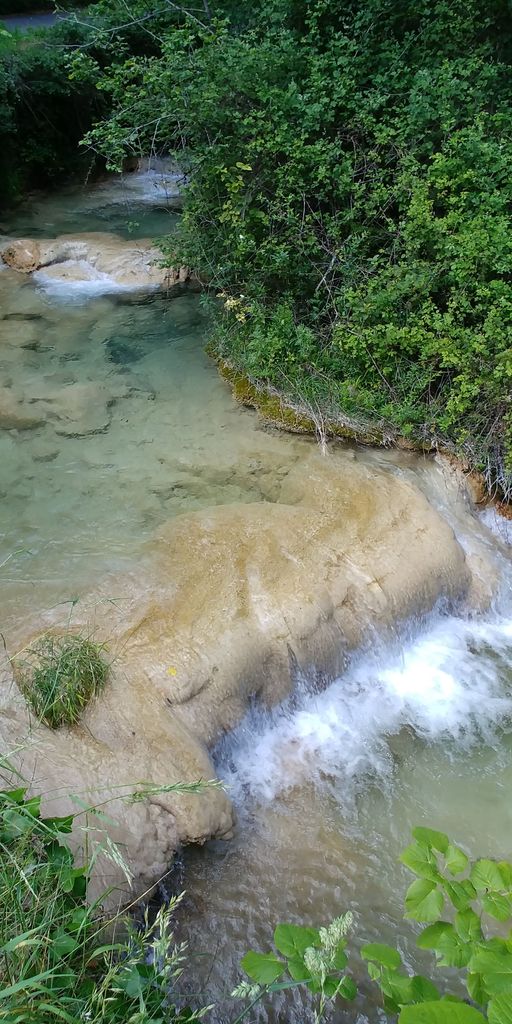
{"x": 328, "y": 786}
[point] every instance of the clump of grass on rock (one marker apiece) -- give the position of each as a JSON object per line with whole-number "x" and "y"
{"x": 59, "y": 675}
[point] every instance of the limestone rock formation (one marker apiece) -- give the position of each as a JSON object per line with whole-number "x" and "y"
{"x": 98, "y": 256}
{"x": 230, "y": 603}
{"x": 22, "y": 254}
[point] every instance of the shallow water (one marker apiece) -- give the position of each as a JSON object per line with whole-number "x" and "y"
{"x": 24, "y": 22}
{"x": 328, "y": 786}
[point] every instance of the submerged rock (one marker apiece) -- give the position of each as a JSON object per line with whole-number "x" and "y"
{"x": 230, "y": 605}
{"x": 16, "y": 413}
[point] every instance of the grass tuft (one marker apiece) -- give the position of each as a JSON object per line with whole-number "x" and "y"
{"x": 59, "y": 675}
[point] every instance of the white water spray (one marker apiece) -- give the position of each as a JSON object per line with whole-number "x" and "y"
{"x": 452, "y": 683}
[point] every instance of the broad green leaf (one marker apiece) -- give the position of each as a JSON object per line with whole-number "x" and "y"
{"x": 467, "y": 925}
{"x": 440, "y": 1012}
{"x": 485, "y": 874}
{"x": 420, "y": 859}
{"x": 131, "y": 982}
{"x": 423, "y": 990}
{"x": 438, "y": 840}
{"x": 495, "y": 968}
{"x": 297, "y": 969}
{"x": 347, "y": 988}
{"x": 381, "y": 954}
{"x": 476, "y": 988}
{"x": 398, "y": 987}
{"x": 262, "y": 967}
{"x": 15, "y": 796}
{"x": 423, "y": 901}
{"x": 62, "y": 944}
{"x": 340, "y": 958}
{"x": 456, "y": 860}
{"x": 497, "y": 906}
{"x": 505, "y": 869}
{"x": 499, "y": 1010}
{"x": 429, "y": 938}
{"x": 330, "y": 986}
{"x": 292, "y": 940}
{"x": 455, "y": 952}
{"x": 33, "y": 806}
{"x": 461, "y": 894}
{"x": 63, "y": 824}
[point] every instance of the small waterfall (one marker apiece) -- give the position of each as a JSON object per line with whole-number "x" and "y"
{"x": 450, "y": 682}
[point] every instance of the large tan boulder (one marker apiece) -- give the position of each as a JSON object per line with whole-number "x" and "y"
{"x": 23, "y": 254}
{"x": 230, "y": 604}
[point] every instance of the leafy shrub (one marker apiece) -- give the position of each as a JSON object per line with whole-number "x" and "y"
{"x": 454, "y": 897}
{"x": 59, "y": 675}
{"x": 354, "y": 163}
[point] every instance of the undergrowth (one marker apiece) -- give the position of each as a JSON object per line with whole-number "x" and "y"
{"x": 57, "y": 960}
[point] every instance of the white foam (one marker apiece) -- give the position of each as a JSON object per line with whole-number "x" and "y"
{"x": 498, "y": 525}
{"x": 153, "y": 187}
{"x": 447, "y": 684}
{"x": 88, "y": 282}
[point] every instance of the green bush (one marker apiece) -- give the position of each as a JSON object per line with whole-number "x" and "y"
{"x": 351, "y": 165}
{"x": 455, "y": 898}
{"x": 59, "y": 675}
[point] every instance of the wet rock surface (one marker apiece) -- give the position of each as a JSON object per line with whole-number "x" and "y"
{"x": 91, "y": 258}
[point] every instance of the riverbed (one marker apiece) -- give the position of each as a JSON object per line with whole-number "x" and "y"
{"x": 328, "y": 785}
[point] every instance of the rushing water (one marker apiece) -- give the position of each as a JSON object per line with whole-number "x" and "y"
{"x": 328, "y": 786}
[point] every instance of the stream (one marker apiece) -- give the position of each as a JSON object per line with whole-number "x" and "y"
{"x": 328, "y": 785}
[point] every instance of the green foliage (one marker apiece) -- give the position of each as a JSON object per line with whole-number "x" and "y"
{"x": 349, "y": 182}
{"x": 313, "y": 958}
{"x": 59, "y": 675}
{"x": 55, "y": 960}
{"x": 449, "y": 884}
{"x": 43, "y": 113}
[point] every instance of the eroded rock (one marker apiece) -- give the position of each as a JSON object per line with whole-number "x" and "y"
{"x": 231, "y": 602}
{"x": 22, "y": 254}
{"x": 96, "y": 257}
